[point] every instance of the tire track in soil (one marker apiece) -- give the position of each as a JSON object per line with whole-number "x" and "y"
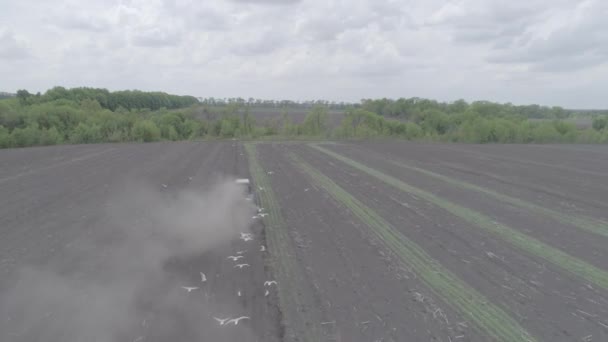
{"x": 569, "y": 192}
{"x": 362, "y": 293}
{"x": 522, "y": 241}
{"x": 300, "y": 312}
{"x": 488, "y": 319}
{"x": 544, "y": 299}
{"x": 581, "y": 236}
{"x": 178, "y": 163}
{"x": 64, "y": 195}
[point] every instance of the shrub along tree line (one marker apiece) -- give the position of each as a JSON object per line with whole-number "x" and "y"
{"x": 470, "y": 127}
{"x": 80, "y": 117}
{"x": 477, "y": 122}
{"x": 128, "y": 99}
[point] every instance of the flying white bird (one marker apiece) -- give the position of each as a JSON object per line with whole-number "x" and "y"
{"x": 254, "y": 217}
{"x": 189, "y": 289}
{"x": 235, "y": 258}
{"x": 270, "y": 282}
{"x": 261, "y": 188}
{"x": 203, "y": 277}
{"x": 305, "y": 190}
{"x": 262, "y": 248}
{"x": 260, "y": 210}
{"x": 237, "y": 320}
{"x": 222, "y": 321}
{"x": 246, "y": 237}
{"x": 270, "y": 172}
{"x": 238, "y": 293}
{"x": 267, "y": 293}
{"x": 240, "y": 252}
{"x": 241, "y": 266}
{"x": 262, "y": 215}
{"x": 164, "y": 185}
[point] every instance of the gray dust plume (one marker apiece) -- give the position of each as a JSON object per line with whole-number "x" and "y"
{"x": 115, "y": 285}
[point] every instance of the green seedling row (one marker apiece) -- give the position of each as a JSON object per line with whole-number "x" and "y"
{"x": 488, "y": 318}
{"x": 298, "y": 323}
{"x": 520, "y": 240}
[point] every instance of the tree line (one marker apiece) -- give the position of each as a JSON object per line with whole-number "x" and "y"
{"x": 411, "y": 107}
{"x": 128, "y": 99}
{"x": 470, "y": 126}
{"x": 406, "y": 108}
{"x": 78, "y": 116}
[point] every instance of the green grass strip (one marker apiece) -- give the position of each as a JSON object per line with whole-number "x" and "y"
{"x": 596, "y": 226}
{"x": 488, "y": 319}
{"x": 520, "y": 240}
{"x": 299, "y": 324}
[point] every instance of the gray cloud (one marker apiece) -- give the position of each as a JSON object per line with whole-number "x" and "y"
{"x": 11, "y": 48}
{"x": 575, "y": 44}
{"x": 447, "y": 49}
{"x": 210, "y": 19}
{"x": 271, "y": 2}
{"x": 156, "y": 37}
{"x": 486, "y": 22}
{"x": 264, "y": 44}
{"x": 84, "y": 23}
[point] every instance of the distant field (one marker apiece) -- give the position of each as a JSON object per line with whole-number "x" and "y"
{"x": 581, "y": 123}
{"x": 368, "y": 241}
{"x": 297, "y": 115}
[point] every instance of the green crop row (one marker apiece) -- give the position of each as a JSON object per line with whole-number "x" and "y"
{"x": 520, "y": 240}
{"x": 299, "y": 324}
{"x": 596, "y": 226}
{"x": 489, "y": 319}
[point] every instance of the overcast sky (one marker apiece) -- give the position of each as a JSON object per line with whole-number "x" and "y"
{"x": 551, "y": 52}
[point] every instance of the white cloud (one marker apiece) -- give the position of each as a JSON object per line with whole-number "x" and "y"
{"x": 11, "y": 49}
{"x": 333, "y": 49}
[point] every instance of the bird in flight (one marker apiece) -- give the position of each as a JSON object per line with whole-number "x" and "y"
{"x": 189, "y": 289}
{"x": 203, "y": 277}
{"x": 240, "y": 252}
{"x": 270, "y": 282}
{"x": 262, "y": 215}
{"x": 237, "y": 320}
{"x": 235, "y": 258}
{"x": 246, "y": 237}
{"x": 222, "y": 321}
{"x": 241, "y": 265}
{"x": 262, "y": 248}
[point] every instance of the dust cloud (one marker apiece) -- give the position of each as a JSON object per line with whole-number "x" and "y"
{"x": 112, "y": 285}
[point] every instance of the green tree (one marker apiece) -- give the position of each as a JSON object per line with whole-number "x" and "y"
{"x": 226, "y": 129}
{"x": 23, "y": 96}
{"x": 315, "y": 122}
{"x": 599, "y": 123}
{"x": 5, "y": 137}
{"x": 22, "y": 137}
{"x": 86, "y": 134}
{"x": 146, "y": 131}
{"x": 50, "y": 136}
